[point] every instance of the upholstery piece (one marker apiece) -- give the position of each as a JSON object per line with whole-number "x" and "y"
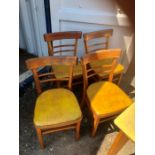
{"x": 62, "y": 71}
{"x": 56, "y": 106}
{"x": 106, "y": 98}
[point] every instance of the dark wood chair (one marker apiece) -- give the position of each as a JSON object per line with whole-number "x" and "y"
{"x": 56, "y": 109}
{"x": 104, "y": 99}
{"x": 99, "y": 40}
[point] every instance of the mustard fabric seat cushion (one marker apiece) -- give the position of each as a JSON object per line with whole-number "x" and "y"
{"x": 56, "y": 106}
{"x": 62, "y": 71}
{"x": 118, "y": 69}
{"x": 106, "y": 98}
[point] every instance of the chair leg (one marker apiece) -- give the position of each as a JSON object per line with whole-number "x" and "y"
{"x": 40, "y": 138}
{"x": 118, "y": 143}
{"x": 95, "y": 125}
{"x": 58, "y": 84}
{"x": 120, "y": 77}
{"x": 83, "y": 100}
{"x": 77, "y": 136}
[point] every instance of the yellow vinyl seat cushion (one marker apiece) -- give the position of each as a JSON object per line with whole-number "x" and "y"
{"x": 62, "y": 71}
{"x": 107, "y": 98}
{"x": 118, "y": 69}
{"x": 56, "y": 106}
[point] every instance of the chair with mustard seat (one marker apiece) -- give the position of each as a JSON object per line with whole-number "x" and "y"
{"x": 126, "y": 123}
{"x": 63, "y": 48}
{"x": 104, "y": 98}
{"x": 99, "y": 40}
{"x": 56, "y": 109}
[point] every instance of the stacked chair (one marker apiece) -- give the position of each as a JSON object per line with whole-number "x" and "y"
{"x": 64, "y": 49}
{"x": 99, "y": 40}
{"x": 58, "y": 109}
{"x": 104, "y": 99}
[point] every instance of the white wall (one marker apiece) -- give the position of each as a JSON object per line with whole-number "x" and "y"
{"x": 93, "y": 15}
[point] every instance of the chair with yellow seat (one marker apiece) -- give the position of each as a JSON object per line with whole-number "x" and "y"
{"x": 126, "y": 123}
{"x": 64, "y": 43}
{"x": 104, "y": 98}
{"x": 56, "y": 109}
{"x": 99, "y": 40}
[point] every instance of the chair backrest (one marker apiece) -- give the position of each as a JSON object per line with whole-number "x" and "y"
{"x": 60, "y": 49}
{"x": 92, "y": 44}
{"x": 107, "y": 68}
{"x": 36, "y": 63}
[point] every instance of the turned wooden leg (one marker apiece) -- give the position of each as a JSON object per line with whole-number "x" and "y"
{"x": 118, "y": 143}
{"x": 95, "y": 125}
{"x": 40, "y": 138}
{"x": 77, "y": 136}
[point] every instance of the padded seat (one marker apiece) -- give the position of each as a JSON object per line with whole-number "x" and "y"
{"x": 77, "y": 70}
{"x": 56, "y": 106}
{"x": 107, "y": 98}
{"x": 119, "y": 68}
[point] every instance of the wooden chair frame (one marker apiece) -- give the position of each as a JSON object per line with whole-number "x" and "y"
{"x": 35, "y": 63}
{"x": 85, "y": 60}
{"x": 107, "y": 33}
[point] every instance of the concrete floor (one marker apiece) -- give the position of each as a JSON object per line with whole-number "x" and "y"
{"x": 63, "y": 142}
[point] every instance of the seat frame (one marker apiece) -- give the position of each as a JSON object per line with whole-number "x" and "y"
{"x": 85, "y": 60}
{"x": 35, "y": 63}
{"x": 107, "y": 34}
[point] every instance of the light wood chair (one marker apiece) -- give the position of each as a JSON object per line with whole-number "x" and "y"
{"x": 64, "y": 49}
{"x": 99, "y": 40}
{"x": 126, "y": 123}
{"x": 56, "y": 109}
{"x": 104, "y": 98}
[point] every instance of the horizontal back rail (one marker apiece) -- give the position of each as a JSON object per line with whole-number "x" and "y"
{"x": 67, "y": 45}
{"x": 64, "y": 51}
{"x": 102, "y": 54}
{"x": 62, "y": 35}
{"x": 98, "y": 34}
{"x": 51, "y": 60}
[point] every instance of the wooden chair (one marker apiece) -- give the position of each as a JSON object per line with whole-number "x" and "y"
{"x": 127, "y": 130}
{"x": 56, "y": 109}
{"x": 99, "y": 40}
{"x": 104, "y": 98}
{"x": 64, "y": 49}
